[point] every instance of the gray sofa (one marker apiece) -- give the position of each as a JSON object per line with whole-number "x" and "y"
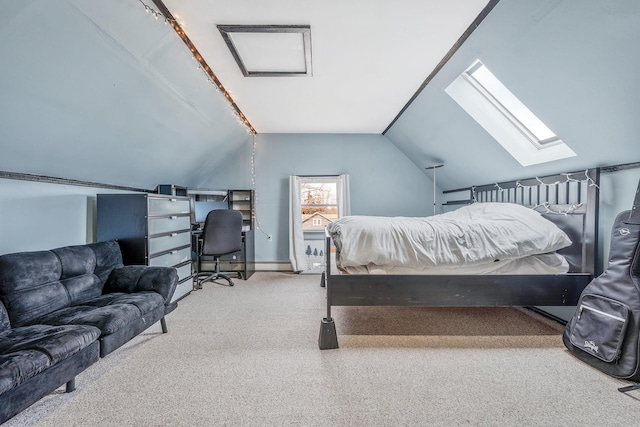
{"x": 63, "y": 309}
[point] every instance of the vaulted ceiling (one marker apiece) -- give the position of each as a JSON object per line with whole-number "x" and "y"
{"x": 368, "y": 57}
{"x": 103, "y": 91}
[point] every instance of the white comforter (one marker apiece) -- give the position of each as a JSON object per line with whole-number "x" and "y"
{"x": 478, "y": 237}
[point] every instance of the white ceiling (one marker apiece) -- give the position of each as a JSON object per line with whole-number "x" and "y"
{"x": 369, "y": 57}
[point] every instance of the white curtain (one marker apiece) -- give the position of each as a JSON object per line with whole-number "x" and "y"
{"x": 297, "y": 256}
{"x": 344, "y": 196}
{"x": 296, "y": 236}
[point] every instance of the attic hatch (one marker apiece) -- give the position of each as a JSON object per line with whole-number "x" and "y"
{"x": 490, "y": 103}
{"x": 270, "y": 50}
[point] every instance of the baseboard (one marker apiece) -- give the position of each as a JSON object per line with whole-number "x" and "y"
{"x": 259, "y": 265}
{"x": 273, "y": 266}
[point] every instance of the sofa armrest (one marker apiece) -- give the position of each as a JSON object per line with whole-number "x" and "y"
{"x": 136, "y": 278}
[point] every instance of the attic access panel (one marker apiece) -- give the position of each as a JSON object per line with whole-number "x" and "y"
{"x": 269, "y": 50}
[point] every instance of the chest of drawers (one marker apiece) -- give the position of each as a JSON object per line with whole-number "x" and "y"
{"x": 152, "y": 229}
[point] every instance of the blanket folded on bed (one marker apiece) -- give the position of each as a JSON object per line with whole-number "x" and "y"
{"x": 477, "y": 234}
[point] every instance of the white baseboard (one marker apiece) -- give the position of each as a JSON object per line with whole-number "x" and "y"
{"x": 273, "y": 266}
{"x": 260, "y": 266}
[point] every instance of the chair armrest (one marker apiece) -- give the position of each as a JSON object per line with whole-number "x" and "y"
{"x": 137, "y": 278}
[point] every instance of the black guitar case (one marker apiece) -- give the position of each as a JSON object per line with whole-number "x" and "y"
{"x": 605, "y": 329}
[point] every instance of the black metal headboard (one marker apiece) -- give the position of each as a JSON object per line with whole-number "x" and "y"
{"x": 570, "y": 200}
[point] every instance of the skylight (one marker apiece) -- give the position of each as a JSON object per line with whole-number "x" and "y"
{"x": 505, "y": 117}
{"x": 270, "y": 50}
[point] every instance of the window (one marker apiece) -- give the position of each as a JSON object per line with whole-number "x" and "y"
{"x": 314, "y": 202}
{"x": 479, "y": 92}
{"x": 318, "y": 202}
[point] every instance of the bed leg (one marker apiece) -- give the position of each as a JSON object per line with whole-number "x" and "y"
{"x": 328, "y": 338}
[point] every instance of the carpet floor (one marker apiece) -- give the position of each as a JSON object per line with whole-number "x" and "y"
{"x": 248, "y": 356}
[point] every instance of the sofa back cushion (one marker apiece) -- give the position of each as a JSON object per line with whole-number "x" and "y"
{"x": 29, "y": 286}
{"x": 77, "y": 266}
{"x": 108, "y": 257}
{"x": 34, "y": 284}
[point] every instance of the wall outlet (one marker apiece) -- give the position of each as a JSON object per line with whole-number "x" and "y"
{"x": 268, "y": 237}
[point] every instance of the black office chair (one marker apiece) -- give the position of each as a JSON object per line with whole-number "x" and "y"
{"x": 221, "y": 235}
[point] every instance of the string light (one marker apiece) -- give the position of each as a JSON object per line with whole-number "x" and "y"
{"x": 550, "y": 210}
{"x": 253, "y": 184}
{"x": 591, "y": 182}
{"x": 169, "y": 19}
{"x": 568, "y": 177}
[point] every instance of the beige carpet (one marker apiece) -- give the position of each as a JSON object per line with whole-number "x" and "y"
{"x": 248, "y": 356}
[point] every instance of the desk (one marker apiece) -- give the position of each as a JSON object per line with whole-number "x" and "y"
{"x": 242, "y": 262}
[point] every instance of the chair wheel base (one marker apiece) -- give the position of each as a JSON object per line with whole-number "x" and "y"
{"x": 199, "y": 282}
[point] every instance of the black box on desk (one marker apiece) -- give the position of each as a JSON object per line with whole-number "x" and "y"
{"x": 171, "y": 190}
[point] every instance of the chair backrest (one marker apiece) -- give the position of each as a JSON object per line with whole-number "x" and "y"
{"x": 222, "y": 232}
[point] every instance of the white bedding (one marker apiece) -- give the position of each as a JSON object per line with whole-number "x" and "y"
{"x": 482, "y": 238}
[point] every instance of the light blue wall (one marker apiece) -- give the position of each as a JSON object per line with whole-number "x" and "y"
{"x": 39, "y": 216}
{"x": 383, "y": 180}
{"x": 35, "y": 216}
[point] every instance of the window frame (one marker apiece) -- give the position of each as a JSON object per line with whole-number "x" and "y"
{"x": 508, "y": 128}
{"x": 325, "y": 179}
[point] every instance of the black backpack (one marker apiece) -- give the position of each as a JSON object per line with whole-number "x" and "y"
{"x": 605, "y": 329}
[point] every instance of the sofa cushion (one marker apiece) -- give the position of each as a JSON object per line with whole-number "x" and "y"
{"x": 78, "y": 264}
{"x": 85, "y": 268}
{"x": 144, "y": 301}
{"x": 23, "y": 270}
{"x": 5, "y": 325}
{"x": 34, "y": 284}
{"x": 27, "y": 351}
{"x": 16, "y": 368}
{"x": 75, "y": 261}
{"x": 137, "y": 278}
{"x": 108, "y": 256}
{"x": 108, "y": 318}
{"x": 29, "y": 286}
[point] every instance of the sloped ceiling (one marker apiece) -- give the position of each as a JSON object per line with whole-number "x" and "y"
{"x": 368, "y": 57}
{"x": 101, "y": 92}
{"x": 574, "y": 64}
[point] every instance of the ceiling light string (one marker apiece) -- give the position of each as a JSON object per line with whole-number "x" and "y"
{"x": 202, "y": 64}
{"x": 155, "y": 13}
{"x": 253, "y": 186}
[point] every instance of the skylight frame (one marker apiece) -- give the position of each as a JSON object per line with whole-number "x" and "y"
{"x": 304, "y": 30}
{"x": 495, "y": 115}
{"x": 508, "y": 104}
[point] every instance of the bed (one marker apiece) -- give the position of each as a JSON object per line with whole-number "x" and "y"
{"x": 568, "y": 200}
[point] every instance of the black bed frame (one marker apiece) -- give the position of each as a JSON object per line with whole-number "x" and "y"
{"x": 570, "y": 200}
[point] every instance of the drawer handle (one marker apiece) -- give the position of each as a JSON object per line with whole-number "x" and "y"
{"x": 174, "y": 234}
{"x": 173, "y": 200}
{"x": 173, "y": 217}
{"x": 174, "y": 252}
